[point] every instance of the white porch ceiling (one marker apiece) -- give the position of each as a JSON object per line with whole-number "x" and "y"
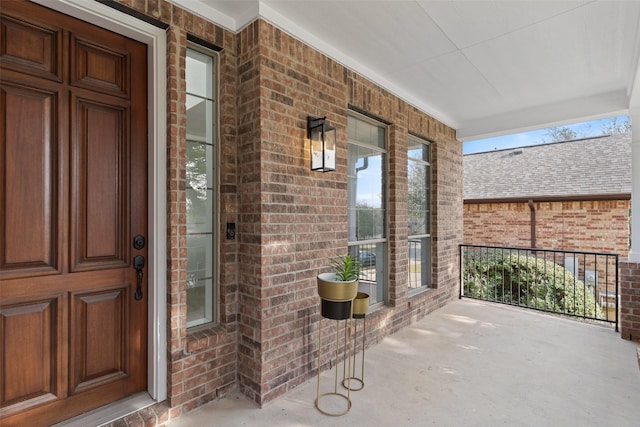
{"x": 482, "y": 67}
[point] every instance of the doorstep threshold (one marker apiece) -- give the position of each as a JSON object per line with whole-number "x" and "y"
{"x": 110, "y": 412}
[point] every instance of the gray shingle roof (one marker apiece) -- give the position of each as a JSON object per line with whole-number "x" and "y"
{"x": 592, "y": 166}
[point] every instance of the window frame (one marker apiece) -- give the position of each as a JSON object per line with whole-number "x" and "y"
{"x": 354, "y": 245}
{"x": 429, "y": 234}
{"x": 215, "y": 188}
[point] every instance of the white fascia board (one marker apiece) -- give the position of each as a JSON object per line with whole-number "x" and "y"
{"x": 212, "y": 14}
{"x": 549, "y": 115}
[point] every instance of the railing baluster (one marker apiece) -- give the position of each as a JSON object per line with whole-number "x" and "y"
{"x": 617, "y": 298}
{"x": 554, "y": 283}
{"x": 595, "y": 284}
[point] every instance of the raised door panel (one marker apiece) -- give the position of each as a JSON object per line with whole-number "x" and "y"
{"x": 31, "y": 48}
{"x": 100, "y": 182}
{"x": 98, "y": 68}
{"x": 28, "y": 182}
{"x": 30, "y": 354}
{"x": 98, "y": 339}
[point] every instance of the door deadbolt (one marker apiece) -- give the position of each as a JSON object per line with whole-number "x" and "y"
{"x": 138, "y": 242}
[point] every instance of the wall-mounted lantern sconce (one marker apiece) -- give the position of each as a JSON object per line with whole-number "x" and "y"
{"x": 322, "y": 139}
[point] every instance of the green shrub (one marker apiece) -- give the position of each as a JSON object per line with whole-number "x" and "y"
{"x": 526, "y": 280}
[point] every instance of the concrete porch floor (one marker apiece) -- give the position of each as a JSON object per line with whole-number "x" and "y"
{"x": 469, "y": 364}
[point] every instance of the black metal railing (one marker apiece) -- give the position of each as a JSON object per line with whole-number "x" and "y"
{"x": 573, "y": 283}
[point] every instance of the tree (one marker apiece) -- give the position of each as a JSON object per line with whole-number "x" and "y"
{"x": 370, "y": 221}
{"x": 418, "y": 197}
{"x": 615, "y": 127}
{"x": 559, "y": 133}
{"x": 611, "y": 126}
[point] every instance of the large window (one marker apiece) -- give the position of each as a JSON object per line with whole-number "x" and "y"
{"x": 201, "y": 188}
{"x": 367, "y": 203}
{"x": 419, "y": 209}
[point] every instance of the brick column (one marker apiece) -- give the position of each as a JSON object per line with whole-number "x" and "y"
{"x": 630, "y": 300}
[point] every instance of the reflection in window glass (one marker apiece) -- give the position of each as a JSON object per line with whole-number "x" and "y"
{"x": 373, "y": 278}
{"x": 199, "y": 74}
{"x": 419, "y": 210}
{"x": 366, "y": 185}
{"x": 200, "y": 188}
{"x": 367, "y": 133}
{"x": 366, "y": 195}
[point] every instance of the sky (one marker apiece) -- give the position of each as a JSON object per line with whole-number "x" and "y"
{"x": 535, "y": 137}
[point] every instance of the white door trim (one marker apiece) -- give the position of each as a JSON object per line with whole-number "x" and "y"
{"x": 155, "y": 38}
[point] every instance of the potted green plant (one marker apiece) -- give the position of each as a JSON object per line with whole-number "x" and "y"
{"x": 338, "y": 288}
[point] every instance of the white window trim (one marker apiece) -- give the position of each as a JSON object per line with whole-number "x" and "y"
{"x": 215, "y": 185}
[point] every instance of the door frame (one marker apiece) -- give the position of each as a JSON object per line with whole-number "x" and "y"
{"x": 155, "y": 38}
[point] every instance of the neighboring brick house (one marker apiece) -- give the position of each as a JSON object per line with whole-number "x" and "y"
{"x": 570, "y": 195}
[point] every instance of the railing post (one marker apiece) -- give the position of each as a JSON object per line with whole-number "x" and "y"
{"x": 460, "y": 265}
{"x": 617, "y": 297}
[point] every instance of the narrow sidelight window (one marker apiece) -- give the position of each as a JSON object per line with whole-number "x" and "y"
{"x": 201, "y": 189}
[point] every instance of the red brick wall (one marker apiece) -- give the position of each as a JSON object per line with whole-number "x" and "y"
{"x": 497, "y": 224}
{"x": 293, "y": 219}
{"x": 289, "y": 220}
{"x": 630, "y": 300}
{"x": 596, "y": 226}
{"x": 249, "y": 212}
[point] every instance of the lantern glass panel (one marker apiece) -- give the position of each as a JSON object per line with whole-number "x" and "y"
{"x": 330, "y": 149}
{"x": 316, "y": 148}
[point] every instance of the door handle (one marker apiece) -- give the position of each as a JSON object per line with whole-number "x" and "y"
{"x": 138, "y": 265}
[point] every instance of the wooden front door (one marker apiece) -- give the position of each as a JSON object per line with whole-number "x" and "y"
{"x": 73, "y": 198}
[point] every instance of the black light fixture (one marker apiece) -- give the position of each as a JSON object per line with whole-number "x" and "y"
{"x": 322, "y": 140}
